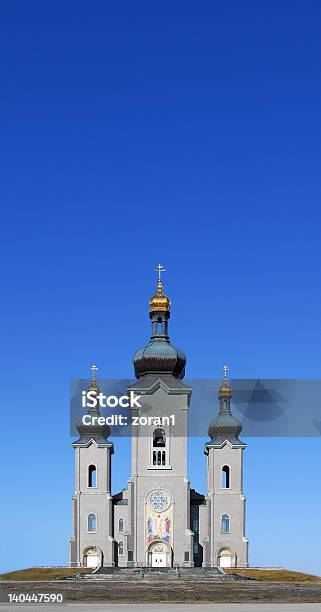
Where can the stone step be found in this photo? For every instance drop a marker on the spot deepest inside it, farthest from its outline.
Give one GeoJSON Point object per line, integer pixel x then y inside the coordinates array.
{"type": "Point", "coordinates": [159, 570]}
{"type": "Point", "coordinates": [118, 574]}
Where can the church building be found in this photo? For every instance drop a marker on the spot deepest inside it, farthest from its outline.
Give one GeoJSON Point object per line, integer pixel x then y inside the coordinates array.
{"type": "Point", "coordinates": [158, 520]}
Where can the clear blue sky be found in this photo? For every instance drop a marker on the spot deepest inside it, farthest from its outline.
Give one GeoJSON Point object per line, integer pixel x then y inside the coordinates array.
{"type": "Point", "coordinates": [133, 133]}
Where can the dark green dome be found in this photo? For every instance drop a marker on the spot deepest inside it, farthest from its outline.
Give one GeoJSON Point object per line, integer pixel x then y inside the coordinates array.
{"type": "Point", "coordinates": [94, 431]}
{"type": "Point", "coordinates": [225, 425]}
{"type": "Point", "coordinates": [159, 356]}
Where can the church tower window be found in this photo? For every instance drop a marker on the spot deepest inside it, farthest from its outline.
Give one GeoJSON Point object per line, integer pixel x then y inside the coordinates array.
{"type": "Point", "coordinates": [225, 523]}
{"type": "Point", "coordinates": [159, 457]}
{"type": "Point", "coordinates": [92, 523]}
{"type": "Point", "coordinates": [120, 548]}
{"type": "Point", "coordinates": [225, 477]}
{"type": "Point", "coordinates": [92, 476]}
{"type": "Point", "coordinates": [121, 525]}
{"type": "Point", "coordinates": [159, 438]}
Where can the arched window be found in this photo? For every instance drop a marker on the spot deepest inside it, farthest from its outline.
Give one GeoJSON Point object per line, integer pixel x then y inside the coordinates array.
{"type": "Point", "coordinates": [92, 523]}
{"type": "Point", "coordinates": [225, 524]}
{"type": "Point", "coordinates": [159, 438]}
{"type": "Point", "coordinates": [225, 477]}
{"type": "Point", "coordinates": [159, 445]}
{"type": "Point", "coordinates": [92, 476]}
{"type": "Point", "coordinates": [121, 525]}
{"type": "Point", "coordinates": [120, 548]}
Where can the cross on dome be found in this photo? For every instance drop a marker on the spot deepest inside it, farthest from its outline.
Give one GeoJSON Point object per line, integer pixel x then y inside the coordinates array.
{"type": "Point", "coordinates": [94, 369]}
{"type": "Point", "coordinates": [160, 269]}
{"type": "Point", "coordinates": [225, 369]}
{"type": "Point", "coordinates": [225, 389]}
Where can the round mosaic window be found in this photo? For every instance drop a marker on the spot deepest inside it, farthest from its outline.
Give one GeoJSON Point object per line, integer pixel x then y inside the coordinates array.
{"type": "Point", "coordinates": [159, 500]}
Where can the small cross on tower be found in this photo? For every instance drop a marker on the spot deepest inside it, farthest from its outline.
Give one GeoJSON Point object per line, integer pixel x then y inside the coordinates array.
{"type": "Point", "coordinates": [94, 369]}
{"type": "Point", "coordinates": [160, 269]}
{"type": "Point", "coordinates": [225, 369]}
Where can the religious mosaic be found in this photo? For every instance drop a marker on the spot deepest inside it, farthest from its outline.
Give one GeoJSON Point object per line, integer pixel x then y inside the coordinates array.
{"type": "Point", "coordinates": [159, 517]}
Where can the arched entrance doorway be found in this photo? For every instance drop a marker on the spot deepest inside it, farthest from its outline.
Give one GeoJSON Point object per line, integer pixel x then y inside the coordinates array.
{"type": "Point", "coordinates": [92, 557]}
{"type": "Point", "coordinates": [159, 555]}
{"type": "Point", "coordinates": [226, 558]}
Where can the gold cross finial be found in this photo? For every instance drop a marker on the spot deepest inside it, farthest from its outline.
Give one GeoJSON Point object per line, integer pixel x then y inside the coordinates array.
{"type": "Point", "coordinates": [160, 269]}
{"type": "Point", "coordinates": [94, 369]}
{"type": "Point", "coordinates": [225, 369]}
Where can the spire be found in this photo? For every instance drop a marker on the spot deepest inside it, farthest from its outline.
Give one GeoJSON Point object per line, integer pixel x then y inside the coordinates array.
{"type": "Point", "coordinates": [159, 308]}
{"type": "Point", "coordinates": [225, 369]}
{"type": "Point", "coordinates": [160, 269]}
{"type": "Point", "coordinates": [92, 431]}
{"type": "Point", "coordinates": [159, 356]}
{"type": "Point", "coordinates": [225, 426]}
{"type": "Point", "coordinates": [93, 388]}
{"type": "Point", "coordinates": [93, 385]}
{"type": "Point", "coordinates": [94, 369]}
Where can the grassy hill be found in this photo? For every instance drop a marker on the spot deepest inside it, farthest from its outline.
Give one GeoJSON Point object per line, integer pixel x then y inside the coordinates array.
{"type": "Point", "coordinates": [277, 575]}
{"type": "Point", "coordinates": [43, 573]}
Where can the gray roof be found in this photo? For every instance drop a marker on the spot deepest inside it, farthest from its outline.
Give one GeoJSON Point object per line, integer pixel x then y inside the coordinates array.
{"type": "Point", "coordinates": [219, 441]}
{"type": "Point", "coordinates": [150, 382]}
{"type": "Point", "coordinates": [86, 440]}
{"type": "Point", "coordinates": [118, 499]}
{"type": "Point", "coordinates": [196, 498]}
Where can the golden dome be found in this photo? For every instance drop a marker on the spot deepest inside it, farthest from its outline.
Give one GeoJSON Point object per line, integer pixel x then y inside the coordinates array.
{"type": "Point", "coordinates": [159, 301]}
{"type": "Point", "coordinates": [225, 390]}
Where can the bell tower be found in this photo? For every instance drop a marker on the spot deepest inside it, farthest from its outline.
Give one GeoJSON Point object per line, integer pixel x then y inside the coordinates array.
{"type": "Point", "coordinates": [225, 544]}
{"type": "Point", "coordinates": [92, 543]}
{"type": "Point", "coordinates": [159, 532]}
